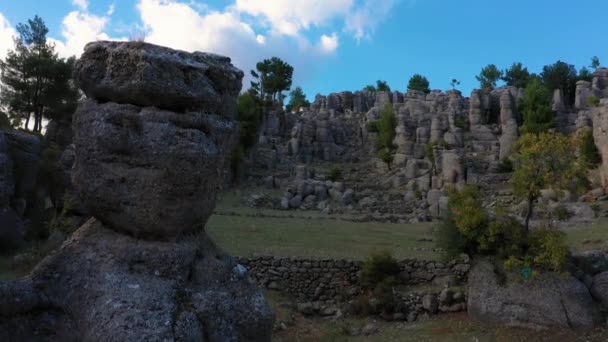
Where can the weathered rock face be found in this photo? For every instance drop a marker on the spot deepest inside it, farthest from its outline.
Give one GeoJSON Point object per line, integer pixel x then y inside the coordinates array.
{"type": "Point", "coordinates": [600, 136]}
{"type": "Point", "coordinates": [151, 75]}
{"type": "Point", "coordinates": [25, 149]}
{"type": "Point", "coordinates": [19, 159]}
{"type": "Point", "coordinates": [7, 182]}
{"type": "Point", "coordinates": [143, 268]}
{"type": "Point", "coordinates": [148, 171]}
{"type": "Point", "coordinates": [599, 288]}
{"type": "Point", "coordinates": [146, 290]}
{"type": "Point", "coordinates": [548, 301]}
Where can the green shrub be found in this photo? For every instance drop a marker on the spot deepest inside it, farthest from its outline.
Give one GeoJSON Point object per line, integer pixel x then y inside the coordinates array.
{"type": "Point", "coordinates": [378, 267]}
{"type": "Point", "coordinates": [593, 101]}
{"type": "Point", "coordinates": [418, 194]}
{"type": "Point", "coordinates": [562, 213]}
{"type": "Point", "coordinates": [460, 122]}
{"type": "Point", "coordinates": [466, 208]}
{"type": "Point", "coordinates": [449, 239]}
{"type": "Point", "coordinates": [383, 293]}
{"type": "Point", "coordinates": [505, 166]}
{"type": "Point", "coordinates": [588, 150]}
{"type": "Point", "coordinates": [429, 151]}
{"type": "Point", "coordinates": [335, 173]}
{"type": "Point", "coordinates": [549, 248]}
{"type": "Point", "coordinates": [504, 237]}
{"type": "Point", "coordinates": [386, 134]}
{"type": "Point", "coordinates": [385, 156]}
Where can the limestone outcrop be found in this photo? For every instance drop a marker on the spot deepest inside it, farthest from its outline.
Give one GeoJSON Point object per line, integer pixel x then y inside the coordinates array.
{"type": "Point", "coordinates": [550, 300]}
{"type": "Point", "coordinates": [19, 165]}
{"type": "Point", "coordinates": [143, 269]}
{"type": "Point", "coordinates": [600, 135]}
{"type": "Point", "coordinates": [148, 171]}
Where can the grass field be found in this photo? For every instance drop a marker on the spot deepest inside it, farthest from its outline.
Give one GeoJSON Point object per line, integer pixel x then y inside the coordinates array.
{"type": "Point", "coordinates": [319, 238]}
{"type": "Point", "coordinates": [590, 236]}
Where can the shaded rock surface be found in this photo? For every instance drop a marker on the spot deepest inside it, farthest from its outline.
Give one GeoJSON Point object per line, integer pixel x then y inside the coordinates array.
{"type": "Point", "coordinates": [547, 301]}
{"type": "Point", "coordinates": [147, 171]}
{"type": "Point", "coordinates": [117, 288]}
{"type": "Point", "coordinates": [143, 268]}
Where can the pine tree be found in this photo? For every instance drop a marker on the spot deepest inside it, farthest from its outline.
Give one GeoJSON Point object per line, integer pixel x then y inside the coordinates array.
{"type": "Point", "coordinates": [34, 80]}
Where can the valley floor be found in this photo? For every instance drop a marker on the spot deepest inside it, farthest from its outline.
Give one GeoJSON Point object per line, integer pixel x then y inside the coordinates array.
{"type": "Point", "coordinates": [247, 232]}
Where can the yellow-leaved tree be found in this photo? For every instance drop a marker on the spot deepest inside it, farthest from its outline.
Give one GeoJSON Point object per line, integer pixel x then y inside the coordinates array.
{"type": "Point", "coordinates": [546, 161]}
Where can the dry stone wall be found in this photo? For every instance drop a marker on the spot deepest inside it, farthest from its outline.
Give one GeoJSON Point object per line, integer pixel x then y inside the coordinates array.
{"type": "Point", "coordinates": [330, 279]}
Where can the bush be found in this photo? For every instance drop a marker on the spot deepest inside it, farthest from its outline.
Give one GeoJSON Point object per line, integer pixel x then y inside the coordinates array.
{"type": "Point", "coordinates": [504, 237]}
{"type": "Point", "coordinates": [335, 173]}
{"type": "Point", "coordinates": [505, 166]}
{"type": "Point", "coordinates": [460, 122]}
{"type": "Point", "coordinates": [383, 293]}
{"type": "Point", "coordinates": [386, 134]}
{"type": "Point", "coordinates": [449, 239]}
{"type": "Point", "coordinates": [588, 150]}
{"type": "Point", "coordinates": [429, 150]}
{"type": "Point", "coordinates": [378, 267]}
{"type": "Point", "coordinates": [549, 248]}
{"type": "Point", "coordinates": [466, 208]}
{"type": "Point", "coordinates": [593, 101]}
{"type": "Point", "coordinates": [385, 156]}
{"type": "Point", "coordinates": [561, 213]}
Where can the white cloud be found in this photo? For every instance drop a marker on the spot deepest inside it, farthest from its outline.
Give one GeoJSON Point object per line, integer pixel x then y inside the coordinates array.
{"type": "Point", "coordinates": [83, 5]}
{"type": "Point", "coordinates": [328, 44]}
{"type": "Point", "coordinates": [296, 15]}
{"type": "Point", "coordinates": [363, 21]}
{"type": "Point", "coordinates": [7, 32]}
{"type": "Point", "coordinates": [78, 29]}
{"type": "Point", "coordinates": [111, 10]}
{"type": "Point", "coordinates": [227, 33]}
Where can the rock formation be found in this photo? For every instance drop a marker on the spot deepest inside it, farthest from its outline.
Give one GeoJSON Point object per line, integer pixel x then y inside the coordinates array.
{"type": "Point", "coordinates": [150, 144]}
{"type": "Point", "coordinates": [19, 164]}
{"type": "Point", "coordinates": [547, 301]}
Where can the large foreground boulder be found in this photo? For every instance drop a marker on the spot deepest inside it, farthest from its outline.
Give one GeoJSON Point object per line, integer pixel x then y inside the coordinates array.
{"type": "Point", "coordinates": [150, 145]}
{"type": "Point", "coordinates": [550, 300]}
{"type": "Point", "coordinates": [113, 287]}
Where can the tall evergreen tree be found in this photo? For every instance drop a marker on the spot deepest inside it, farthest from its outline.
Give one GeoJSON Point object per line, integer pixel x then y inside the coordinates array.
{"type": "Point", "coordinates": [297, 100]}
{"type": "Point", "coordinates": [382, 86]}
{"type": "Point", "coordinates": [488, 77]}
{"type": "Point", "coordinates": [419, 82]}
{"type": "Point", "coordinates": [536, 107]}
{"type": "Point", "coordinates": [517, 75]}
{"type": "Point", "coordinates": [34, 80]}
{"type": "Point", "coordinates": [273, 76]}
{"type": "Point", "coordinates": [595, 62]}
{"type": "Point", "coordinates": [563, 76]}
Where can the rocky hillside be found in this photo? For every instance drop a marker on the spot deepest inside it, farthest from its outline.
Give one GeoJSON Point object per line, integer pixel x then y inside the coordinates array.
{"type": "Point", "coordinates": [468, 137]}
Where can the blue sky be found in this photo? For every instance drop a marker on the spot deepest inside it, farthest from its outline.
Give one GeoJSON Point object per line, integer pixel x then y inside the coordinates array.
{"type": "Point", "coordinates": [338, 45]}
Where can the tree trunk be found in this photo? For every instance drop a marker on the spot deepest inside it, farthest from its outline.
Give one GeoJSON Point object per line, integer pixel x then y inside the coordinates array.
{"type": "Point", "coordinates": [27, 120]}
{"type": "Point", "coordinates": [529, 213]}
